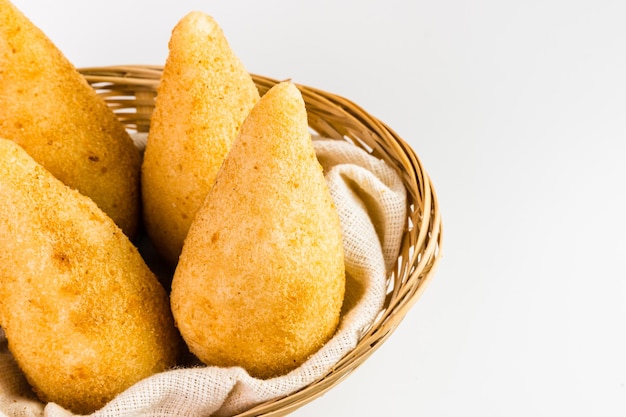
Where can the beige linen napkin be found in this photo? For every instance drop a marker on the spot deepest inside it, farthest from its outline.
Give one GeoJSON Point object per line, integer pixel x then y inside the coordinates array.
{"type": "Point", "coordinates": [371, 201]}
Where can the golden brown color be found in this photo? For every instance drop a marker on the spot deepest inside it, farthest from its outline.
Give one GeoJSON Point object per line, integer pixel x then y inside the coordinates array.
{"type": "Point", "coordinates": [336, 117]}
{"type": "Point", "coordinates": [204, 96]}
{"type": "Point", "coordinates": [84, 316]}
{"type": "Point", "coordinates": [47, 107]}
{"type": "Point", "coordinates": [260, 281]}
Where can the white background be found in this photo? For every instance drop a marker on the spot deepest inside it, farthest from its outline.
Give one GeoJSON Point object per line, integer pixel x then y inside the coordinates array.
{"type": "Point", "coordinates": [517, 109]}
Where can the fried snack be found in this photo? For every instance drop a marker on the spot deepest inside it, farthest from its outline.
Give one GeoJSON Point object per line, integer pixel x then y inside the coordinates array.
{"type": "Point", "coordinates": [84, 316]}
{"type": "Point", "coordinates": [48, 108]}
{"type": "Point", "coordinates": [260, 280]}
{"type": "Point", "coordinates": [204, 95]}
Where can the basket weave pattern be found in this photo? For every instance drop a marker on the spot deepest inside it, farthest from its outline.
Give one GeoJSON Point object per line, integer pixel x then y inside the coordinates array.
{"type": "Point", "coordinates": [130, 91]}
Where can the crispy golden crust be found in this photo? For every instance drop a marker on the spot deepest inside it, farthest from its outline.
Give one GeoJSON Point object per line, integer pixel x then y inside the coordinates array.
{"type": "Point", "coordinates": [84, 316]}
{"type": "Point", "coordinates": [204, 96]}
{"type": "Point", "coordinates": [260, 281]}
{"type": "Point", "coordinates": [48, 108]}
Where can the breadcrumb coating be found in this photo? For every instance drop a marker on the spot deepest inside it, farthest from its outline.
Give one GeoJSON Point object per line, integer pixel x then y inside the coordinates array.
{"type": "Point", "coordinates": [204, 95]}
{"type": "Point", "coordinates": [84, 316]}
{"type": "Point", "coordinates": [49, 109]}
{"type": "Point", "coordinates": [260, 281]}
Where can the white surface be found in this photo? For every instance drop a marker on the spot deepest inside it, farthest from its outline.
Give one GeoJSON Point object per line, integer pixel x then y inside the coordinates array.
{"type": "Point", "coordinates": [518, 112]}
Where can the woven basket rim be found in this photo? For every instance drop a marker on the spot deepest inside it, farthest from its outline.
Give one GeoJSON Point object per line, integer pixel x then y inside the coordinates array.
{"type": "Point", "coordinates": [130, 91]}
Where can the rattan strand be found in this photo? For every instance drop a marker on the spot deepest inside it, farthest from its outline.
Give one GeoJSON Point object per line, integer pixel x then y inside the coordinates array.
{"type": "Point", "coordinates": [130, 91]}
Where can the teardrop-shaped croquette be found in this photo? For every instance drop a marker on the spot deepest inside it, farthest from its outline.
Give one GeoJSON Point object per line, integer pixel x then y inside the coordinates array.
{"type": "Point", "coordinates": [48, 108]}
{"type": "Point", "coordinates": [204, 95]}
{"type": "Point", "coordinates": [84, 316]}
{"type": "Point", "coordinates": [260, 280]}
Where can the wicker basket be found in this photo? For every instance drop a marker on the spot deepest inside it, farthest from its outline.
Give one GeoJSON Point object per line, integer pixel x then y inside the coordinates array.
{"type": "Point", "coordinates": [130, 91]}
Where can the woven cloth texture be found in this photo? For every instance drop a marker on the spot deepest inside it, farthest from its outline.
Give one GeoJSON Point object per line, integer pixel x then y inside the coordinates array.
{"type": "Point", "coordinates": [371, 201]}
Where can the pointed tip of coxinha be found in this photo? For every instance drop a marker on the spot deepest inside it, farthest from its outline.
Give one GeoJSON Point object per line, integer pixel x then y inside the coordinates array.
{"type": "Point", "coordinates": [279, 119]}
{"type": "Point", "coordinates": [260, 281]}
{"type": "Point", "coordinates": [193, 27]}
{"type": "Point", "coordinates": [200, 21]}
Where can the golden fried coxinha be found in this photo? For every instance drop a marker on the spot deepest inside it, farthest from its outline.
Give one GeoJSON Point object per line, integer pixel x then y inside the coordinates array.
{"type": "Point", "coordinates": [260, 281]}
{"type": "Point", "coordinates": [204, 95]}
{"type": "Point", "coordinates": [48, 108]}
{"type": "Point", "coordinates": [84, 316]}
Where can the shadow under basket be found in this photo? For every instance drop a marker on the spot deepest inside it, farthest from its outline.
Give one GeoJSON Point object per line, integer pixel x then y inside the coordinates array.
{"type": "Point", "coordinates": [130, 91]}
